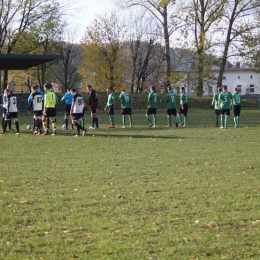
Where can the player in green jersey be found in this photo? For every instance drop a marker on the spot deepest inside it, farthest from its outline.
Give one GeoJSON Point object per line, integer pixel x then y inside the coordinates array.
{"type": "Point", "coordinates": [183, 107]}
{"type": "Point", "coordinates": [111, 107]}
{"type": "Point", "coordinates": [224, 104]}
{"type": "Point", "coordinates": [214, 104]}
{"type": "Point", "coordinates": [236, 98]}
{"type": "Point", "coordinates": [126, 104]}
{"type": "Point", "coordinates": [152, 106]}
{"type": "Point", "coordinates": [171, 107]}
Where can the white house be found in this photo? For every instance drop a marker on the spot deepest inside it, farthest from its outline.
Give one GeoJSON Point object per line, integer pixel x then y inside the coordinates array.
{"type": "Point", "coordinates": [238, 75]}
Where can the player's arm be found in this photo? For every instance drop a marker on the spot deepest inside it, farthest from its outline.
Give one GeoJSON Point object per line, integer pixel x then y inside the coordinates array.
{"type": "Point", "coordinates": [219, 101]}
{"type": "Point", "coordinates": [72, 107]}
{"type": "Point", "coordinates": [8, 105]}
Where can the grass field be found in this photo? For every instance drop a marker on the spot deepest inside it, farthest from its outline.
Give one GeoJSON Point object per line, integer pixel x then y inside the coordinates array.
{"type": "Point", "coordinates": [141, 193]}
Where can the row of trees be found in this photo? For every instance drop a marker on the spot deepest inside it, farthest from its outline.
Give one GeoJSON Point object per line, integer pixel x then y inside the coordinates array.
{"type": "Point", "coordinates": [151, 42]}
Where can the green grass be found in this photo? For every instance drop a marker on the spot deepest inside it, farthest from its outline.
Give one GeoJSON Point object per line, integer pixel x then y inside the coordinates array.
{"type": "Point", "coordinates": [188, 193]}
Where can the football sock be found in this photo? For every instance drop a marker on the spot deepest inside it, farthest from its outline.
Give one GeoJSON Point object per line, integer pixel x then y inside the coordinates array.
{"type": "Point", "coordinates": [79, 127]}
{"type": "Point", "coordinates": [222, 121]}
{"type": "Point", "coordinates": [238, 118]}
{"type": "Point", "coordinates": [9, 124]}
{"type": "Point", "coordinates": [34, 124]}
{"type": "Point", "coordinates": [216, 120]}
{"type": "Point", "coordinates": [54, 125]}
{"type": "Point", "coordinates": [180, 120]}
{"type": "Point", "coordinates": [130, 120]}
{"type": "Point", "coordinates": [154, 120]}
{"type": "Point", "coordinates": [113, 121]}
{"type": "Point", "coordinates": [149, 119]}
{"type": "Point", "coordinates": [3, 122]}
{"type": "Point", "coordinates": [185, 120]}
{"type": "Point", "coordinates": [66, 123]}
{"type": "Point", "coordinates": [96, 120]}
{"type": "Point", "coordinates": [110, 120]}
{"type": "Point", "coordinates": [169, 120]}
{"type": "Point", "coordinates": [123, 119]}
{"type": "Point", "coordinates": [92, 121]}
{"type": "Point", "coordinates": [17, 126]}
{"type": "Point", "coordinates": [5, 125]}
{"type": "Point", "coordinates": [45, 126]}
{"type": "Point", "coordinates": [226, 121]}
{"type": "Point", "coordinates": [176, 119]}
{"type": "Point", "coordinates": [235, 121]}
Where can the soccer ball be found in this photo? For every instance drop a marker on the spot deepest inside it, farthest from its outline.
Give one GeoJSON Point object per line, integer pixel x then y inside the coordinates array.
{"type": "Point", "coordinates": [63, 127]}
{"type": "Point", "coordinates": [30, 127]}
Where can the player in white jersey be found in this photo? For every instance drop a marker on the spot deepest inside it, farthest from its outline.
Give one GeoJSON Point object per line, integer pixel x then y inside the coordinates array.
{"type": "Point", "coordinates": [11, 110]}
{"type": "Point", "coordinates": [77, 109]}
{"type": "Point", "coordinates": [4, 104]}
{"type": "Point", "coordinates": [36, 101]}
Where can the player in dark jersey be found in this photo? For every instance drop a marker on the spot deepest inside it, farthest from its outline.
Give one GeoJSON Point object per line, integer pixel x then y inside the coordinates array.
{"type": "Point", "coordinates": [93, 105]}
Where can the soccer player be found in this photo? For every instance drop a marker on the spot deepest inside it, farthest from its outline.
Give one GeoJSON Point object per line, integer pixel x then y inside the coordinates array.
{"type": "Point", "coordinates": [11, 110]}
{"type": "Point", "coordinates": [126, 104]}
{"type": "Point", "coordinates": [236, 101]}
{"type": "Point", "coordinates": [151, 107]}
{"type": "Point", "coordinates": [171, 107]}
{"type": "Point", "coordinates": [49, 110]}
{"type": "Point", "coordinates": [67, 98]}
{"type": "Point", "coordinates": [93, 105]}
{"type": "Point", "coordinates": [4, 103]}
{"type": "Point", "coordinates": [76, 112]}
{"type": "Point", "coordinates": [36, 101]}
{"type": "Point", "coordinates": [183, 109]}
{"type": "Point", "coordinates": [224, 104]}
{"type": "Point", "coordinates": [111, 107]}
{"type": "Point", "coordinates": [29, 102]}
{"type": "Point", "coordinates": [214, 104]}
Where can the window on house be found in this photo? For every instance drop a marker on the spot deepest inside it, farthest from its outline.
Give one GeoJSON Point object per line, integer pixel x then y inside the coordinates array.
{"type": "Point", "coordinates": [251, 76]}
{"type": "Point", "coordinates": [224, 78]}
{"type": "Point", "coordinates": [238, 77]}
{"type": "Point", "coordinates": [252, 88]}
{"type": "Point", "coordinates": [239, 88]}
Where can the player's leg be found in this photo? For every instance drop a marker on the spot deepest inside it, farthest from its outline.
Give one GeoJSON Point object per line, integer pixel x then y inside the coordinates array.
{"type": "Point", "coordinates": [154, 118]}
{"type": "Point", "coordinates": [123, 120]}
{"type": "Point", "coordinates": [148, 113]}
{"type": "Point", "coordinates": [169, 120]}
{"type": "Point", "coordinates": [44, 123]}
{"type": "Point", "coordinates": [54, 125]}
{"type": "Point", "coordinates": [6, 118]}
{"type": "Point", "coordinates": [16, 125]}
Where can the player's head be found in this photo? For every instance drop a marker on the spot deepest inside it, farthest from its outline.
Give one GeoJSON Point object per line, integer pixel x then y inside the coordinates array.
{"type": "Point", "coordinates": [219, 89]}
{"type": "Point", "coordinates": [73, 91]}
{"type": "Point", "coordinates": [9, 87]}
{"type": "Point", "coordinates": [152, 88]}
{"type": "Point", "coordinates": [182, 89]}
{"type": "Point", "coordinates": [89, 88]}
{"type": "Point", "coordinates": [35, 87]}
{"type": "Point", "coordinates": [169, 89]}
{"type": "Point", "coordinates": [109, 90]}
{"type": "Point", "coordinates": [47, 87]}
{"type": "Point", "coordinates": [224, 88]}
{"type": "Point", "coordinates": [123, 91]}
{"type": "Point", "coordinates": [68, 89]}
{"type": "Point", "coordinates": [235, 89]}
{"type": "Point", "coordinates": [7, 91]}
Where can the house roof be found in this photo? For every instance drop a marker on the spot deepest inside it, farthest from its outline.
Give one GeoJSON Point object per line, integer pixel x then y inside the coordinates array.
{"type": "Point", "coordinates": [24, 61]}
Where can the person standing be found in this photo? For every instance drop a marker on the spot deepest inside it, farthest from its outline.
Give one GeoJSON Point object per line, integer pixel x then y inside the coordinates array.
{"type": "Point", "coordinates": [67, 98]}
{"type": "Point", "coordinates": [236, 101]}
{"type": "Point", "coordinates": [36, 101]}
{"type": "Point", "coordinates": [11, 110]}
{"type": "Point", "coordinates": [4, 104]}
{"type": "Point", "coordinates": [76, 112]}
{"type": "Point", "coordinates": [171, 107]}
{"type": "Point", "coordinates": [183, 109]}
{"type": "Point", "coordinates": [224, 104]}
{"type": "Point", "coordinates": [111, 107]}
{"type": "Point", "coordinates": [214, 104]}
{"type": "Point", "coordinates": [49, 110]}
{"type": "Point", "coordinates": [151, 107]}
{"type": "Point", "coordinates": [93, 105]}
{"type": "Point", "coordinates": [126, 104]}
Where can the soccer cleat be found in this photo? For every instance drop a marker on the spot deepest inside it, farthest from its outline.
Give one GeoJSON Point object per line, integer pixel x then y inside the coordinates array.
{"type": "Point", "coordinates": [150, 125]}
{"type": "Point", "coordinates": [46, 133]}
{"type": "Point", "coordinates": [92, 128]}
{"type": "Point", "coordinates": [84, 132]}
{"type": "Point", "coordinates": [181, 124]}
{"type": "Point", "coordinates": [17, 133]}
{"type": "Point", "coordinates": [112, 126]}
{"type": "Point", "coordinates": [221, 127]}
{"type": "Point", "coordinates": [35, 132]}
{"type": "Point", "coordinates": [123, 126]}
{"type": "Point", "coordinates": [176, 124]}
{"type": "Point", "coordinates": [39, 133]}
{"type": "Point", "coordinates": [153, 126]}
{"type": "Point", "coordinates": [168, 126]}
{"type": "Point", "coordinates": [11, 129]}
{"type": "Point", "coordinates": [76, 135]}
{"type": "Point", "coordinates": [96, 128]}
{"type": "Point", "coordinates": [3, 133]}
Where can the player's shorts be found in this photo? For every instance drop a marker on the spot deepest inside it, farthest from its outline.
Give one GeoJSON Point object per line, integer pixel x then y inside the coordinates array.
{"type": "Point", "coordinates": [76, 116]}
{"type": "Point", "coordinates": [93, 110]}
{"type": "Point", "coordinates": [217, 112]}
{"type": "Point", "coordinates": [37, 113]}
{"type": "Point", "coordinates": [225, 112]}
{"type": "Point", "coordinates": [11, 115]}
{"type": "Point", "coordinates": [171, 111]}
{"type": "Point", "coordinates": [236, 110]}
{"type": "Point", "coordinates": [151, 111]}
{"type": "Point", "coordinates": [184, 110]}
{"type": "Point", "coordinates": [111, 110]}
{"type": "Point", "coordinates": [127, 111]}
{"type": "Point", "coordinates": [67, 110]}
{"type": "Point", "coordinates": [50, 112]}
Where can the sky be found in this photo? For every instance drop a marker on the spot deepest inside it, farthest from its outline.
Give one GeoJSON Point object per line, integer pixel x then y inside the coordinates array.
{"type": "Point", "coordinates": [85, 11]}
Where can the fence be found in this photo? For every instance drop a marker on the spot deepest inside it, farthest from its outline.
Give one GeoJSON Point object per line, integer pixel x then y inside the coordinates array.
{"type": "Point", "coordinates": [140, 102]}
